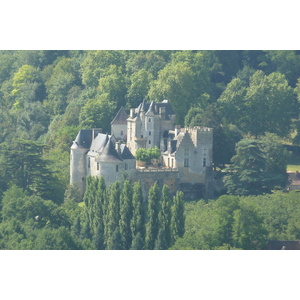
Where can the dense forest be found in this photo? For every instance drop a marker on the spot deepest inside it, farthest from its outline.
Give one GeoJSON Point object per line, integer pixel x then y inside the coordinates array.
{"type": "Point", "coordinates": [249, 98]}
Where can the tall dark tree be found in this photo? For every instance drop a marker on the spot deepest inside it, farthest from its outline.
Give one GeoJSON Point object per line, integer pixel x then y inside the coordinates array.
{"type": "Point", "coordinates": [177, 220]}
{"type": "Point", "coordinates": [164, 217]}
{"type": "Point", "coordinates": [113, 212]}
{"type": "Point", "coordinates": [152, 225]}
{"type": "Point", "coordinates": [138, 217]}
{"type": "Point", "coordinates": [23, 164]}
{"type": "Point", "coordinates": [126, 214]}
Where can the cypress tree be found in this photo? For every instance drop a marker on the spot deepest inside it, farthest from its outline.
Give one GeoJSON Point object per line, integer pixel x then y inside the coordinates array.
{"type": "Point", "coordinates": [177, 219]}
{"type": "Point", "coordinates": [113, 211]}
{"type": "Point", "coordinates": [115, 241]}
{"type": "Point", "coordinates": [138, 217]}
{"type": "Point", "coordinates": [164, 215]}
{"type": "Point", "coordinates": [137, 242]}
{"type": "Point", "coordinates": [126, 214]}
{"type": "Point", "coordinates": [99, 237]}
{"type": "Point", "coordinates": [161, 242]}
{"type": "Point", "coordinates": [152, 224]}
{"type": "Point", "coordinates": [76, 227]}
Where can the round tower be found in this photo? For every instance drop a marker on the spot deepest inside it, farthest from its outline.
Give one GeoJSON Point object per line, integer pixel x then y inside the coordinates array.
{"type": "Point", "coordinates": [78, 166]}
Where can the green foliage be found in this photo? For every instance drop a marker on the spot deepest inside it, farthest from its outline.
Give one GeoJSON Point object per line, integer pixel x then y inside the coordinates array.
{"type": "Point", "coordinates": [126, 211]}
{"type": "Point", "coordinates": [259, 166]}
{"type": "Point", "coordinates": [152, 225]}
{"type": "Point", "coordinates": [266, 105]}
{"type": "Point", "coordinates": [97, 113]}
{"type": "Point", "coordinates": [146, 155]}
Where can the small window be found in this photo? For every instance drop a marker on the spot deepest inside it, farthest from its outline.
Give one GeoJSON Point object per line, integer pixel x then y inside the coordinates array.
{"type": "Point", "coordinates": [121, 132]}
{"type": "Point", "coordinates": [168, 161]}
{"type": "Point", "coordinates": [117, 168]}
{"type": "Point", "coordinates": [186, 162]}
{"type": "Point", "coordinates": [98, 166]}
{"type": "Point", "coordinates": [204, 162]}
{"type": "Point", "coordinates": [142, 136]}
{"type": "Point", "coordinates": [149, 119]}
{"type": "Point", "coordinates": [149, 142]}
{"type": "Point", "coordinates": [149, 132]}
{"type": "Point", "coordinates": [89, 162]}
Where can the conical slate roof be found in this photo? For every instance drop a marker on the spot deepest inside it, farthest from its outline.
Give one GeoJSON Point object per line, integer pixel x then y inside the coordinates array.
{"type": "Point", "coordinates": [125, 152]}
{"type": "Point", "coordinates": [83, 139]}
{"type": "Point", "coordinates": [120, 118]}
{"type": "Point", "coordinates": [109, 153]}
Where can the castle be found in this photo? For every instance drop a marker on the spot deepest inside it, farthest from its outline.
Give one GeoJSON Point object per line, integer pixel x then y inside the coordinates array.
{"type": "Point", "coordinates": [186, 153]}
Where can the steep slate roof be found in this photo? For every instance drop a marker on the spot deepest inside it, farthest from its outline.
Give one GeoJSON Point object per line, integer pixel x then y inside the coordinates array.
{"type": "Point", "coordinates": [121, 117]}
{"type": "Point", "coordinates": [99, 142]}
{"type": "Point", "coordinates": [84, 138]}
{"type": "Point", "coordinates": [154, 108]}
{"type": "Point", "coordinates": [125, 152]}
{"type": "Point", "coordinates": [109, 153]}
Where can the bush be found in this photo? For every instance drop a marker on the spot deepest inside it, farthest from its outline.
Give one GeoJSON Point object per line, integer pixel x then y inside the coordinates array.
{"type": "Point", "coordinates": [147, 154]}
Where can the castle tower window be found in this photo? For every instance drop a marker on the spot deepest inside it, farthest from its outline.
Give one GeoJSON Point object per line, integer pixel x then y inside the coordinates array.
{"type": "Point", "coordinates": [117, 168]}
{"type": "Point", "coordinates": [204, 162]}
{"type": "Point", "coordinates": [89, 162]}
{"type": "Point", "coordinates": [186, 162]}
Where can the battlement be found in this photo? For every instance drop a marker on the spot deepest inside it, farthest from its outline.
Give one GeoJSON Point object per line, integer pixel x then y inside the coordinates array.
{"type": "Point", "coordinates": [196, 128]}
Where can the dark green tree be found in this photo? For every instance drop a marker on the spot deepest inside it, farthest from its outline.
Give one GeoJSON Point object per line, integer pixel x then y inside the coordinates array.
{"type": "Point", "coordinates": [152, 225]}
{"type": "Point", "coordinates": [137, 242]}
{"type": "Point", "coordinates": [137, 223]}
{"type": "Point", "coordinates": [126, 211]}
{"type": "Point", "coordinates": [113, 212]}
{"type": "Point", "coordinates": [258, 167]}
{"type": "Point", "coordinates": [115, 241]}
{"type": "Point", "coordinates": [164, 217]}
{"type": "Point", "coordinates": [177, 219]}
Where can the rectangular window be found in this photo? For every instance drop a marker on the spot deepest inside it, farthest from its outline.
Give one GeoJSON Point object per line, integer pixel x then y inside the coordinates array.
{"type": "Point", "coordinates": [149, 132]}
{"type": "Point", "coordinates": [121, 132]}
{"type": "Point", "coordinates": [89, 162]}
{"type": "Point", "coordinates": [168, 162]}
{"type": "Point", "coordinates": [149, 142]}
{"type": "Point", "coordinates": [98, 166]}
{"type": "Point", "coordinates": [204, 162]}
{"type": "Point", "coordinates": [186, 162]}
{"type": "Point", "coordinates": [117, 168]}
{"type": "Point", "coordinates": [149, 119]}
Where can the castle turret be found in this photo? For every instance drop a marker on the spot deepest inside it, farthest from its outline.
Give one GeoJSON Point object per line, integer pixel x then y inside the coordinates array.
{"type": "Point", "coordinates": [78, 158]}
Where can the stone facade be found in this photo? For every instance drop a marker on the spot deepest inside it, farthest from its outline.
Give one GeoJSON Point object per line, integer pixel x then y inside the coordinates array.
{"type": "Point", "coordinates": [186, 153]}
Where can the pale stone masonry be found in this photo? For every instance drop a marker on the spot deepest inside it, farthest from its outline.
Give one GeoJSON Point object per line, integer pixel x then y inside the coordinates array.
{"type": "Point", "coordinates": [186, 153]}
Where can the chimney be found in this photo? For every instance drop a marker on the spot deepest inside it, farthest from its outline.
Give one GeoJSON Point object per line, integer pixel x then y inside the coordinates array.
{"type": "Point", "coordinates": [95, 132]}
{"type": "Point", "coordinates": [162, 112]}
{"type": "Point", "coordinates": [177, 129]}
{"type": "Point", "coordinates": [132, 113]}
{"type": "Point", "coordinates": [118, 147]}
